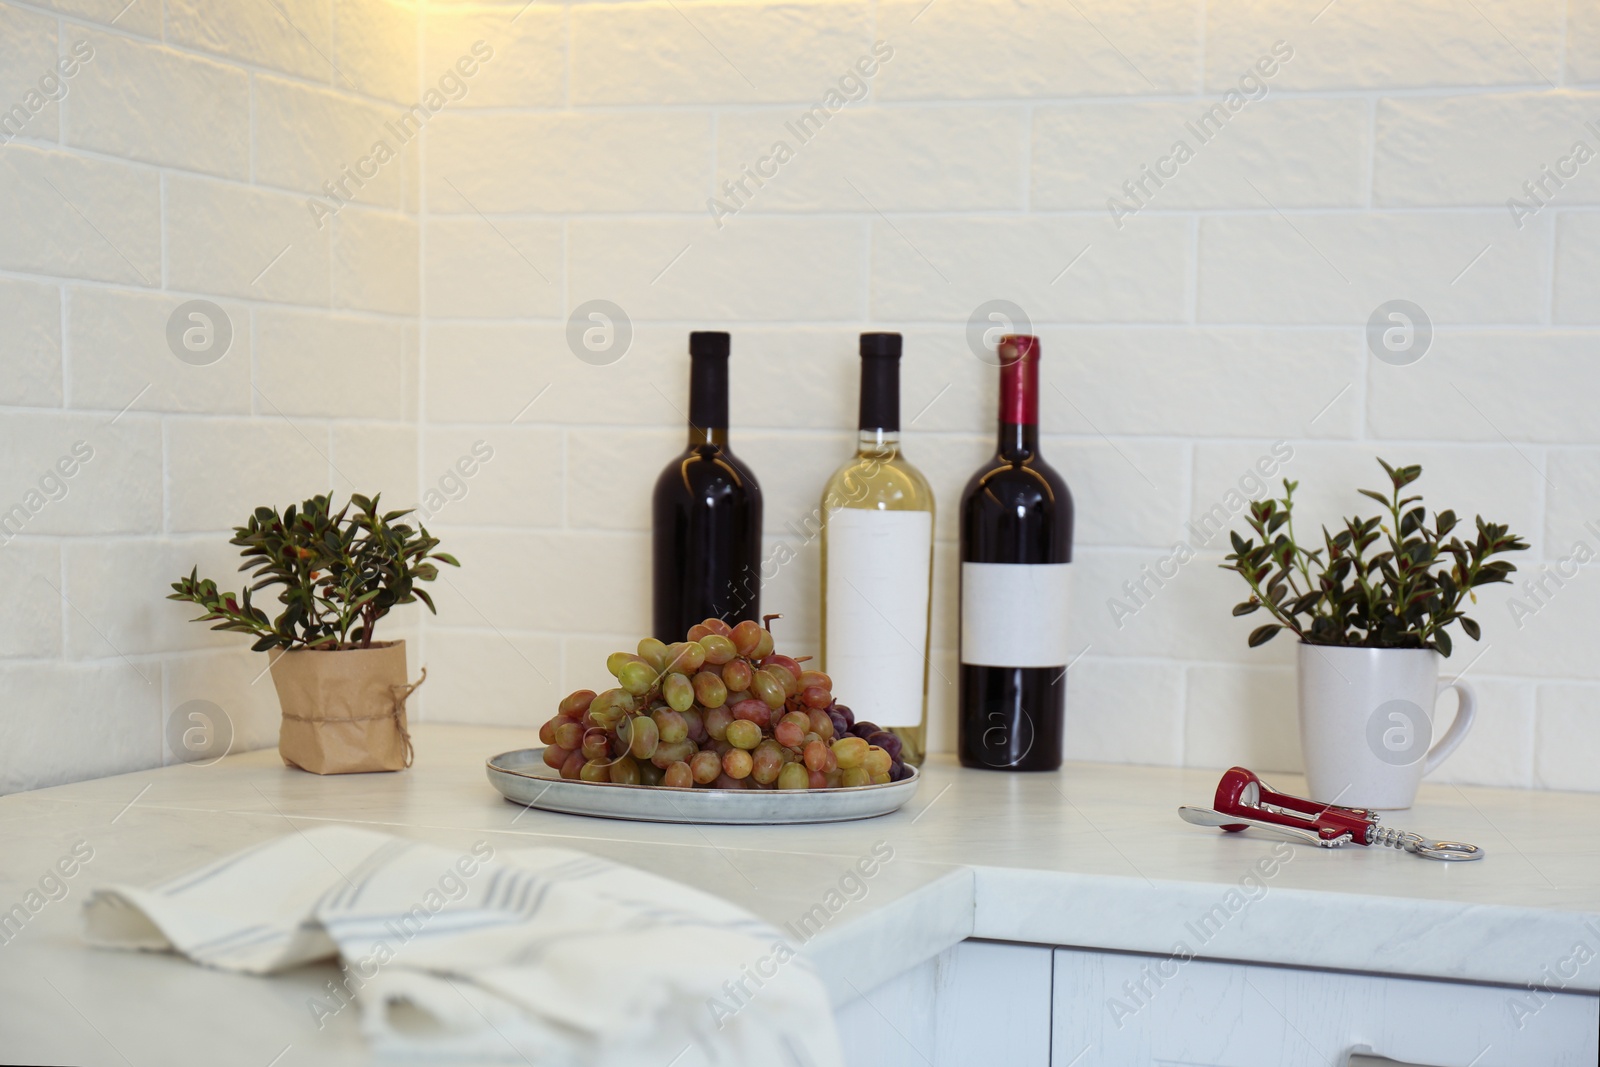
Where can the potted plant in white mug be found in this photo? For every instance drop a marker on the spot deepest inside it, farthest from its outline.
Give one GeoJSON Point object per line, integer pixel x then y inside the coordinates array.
{"type": "Point", "coordinates": [1372, 608]}
{"type": "Point", "coordinates": [342, 693]}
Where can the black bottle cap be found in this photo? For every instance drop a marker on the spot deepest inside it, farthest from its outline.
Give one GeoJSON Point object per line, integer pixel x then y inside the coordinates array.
{"type": "Point", "coordinates": [708, 343]}
{"type": "Point", "coordinates": [708, 380]}
{"type": "Point", "coordinates": [880, 381]}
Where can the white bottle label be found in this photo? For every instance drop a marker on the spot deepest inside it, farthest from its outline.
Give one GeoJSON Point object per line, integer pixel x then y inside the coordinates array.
{"type": "Point", "coordinates": [1014, 614]}
{"type": "Point", "coordinates": [878, 612]}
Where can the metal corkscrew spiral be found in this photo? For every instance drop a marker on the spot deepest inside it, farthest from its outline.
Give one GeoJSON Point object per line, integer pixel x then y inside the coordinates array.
{"type": "Point", "coordinates": [1393, 837]}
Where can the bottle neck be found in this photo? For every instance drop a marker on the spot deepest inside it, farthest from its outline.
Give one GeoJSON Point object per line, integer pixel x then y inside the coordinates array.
{"type": "Point", "coordinates": [702, 436]}
{"type": "Point", "coordinates": [879, 411]}
{"type": "Point", "coordinates": [878, 444]}
{"type": "Point", "coordinates": [1018, 440]}
{"type": "Point", "coordinates": [708, 400]}
{"type": "Point", "coordinates": [1019, 404]}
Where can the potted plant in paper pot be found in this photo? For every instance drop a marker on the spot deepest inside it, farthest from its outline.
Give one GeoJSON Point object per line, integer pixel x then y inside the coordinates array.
{"type": "Point", "coordinates": [1372, 607]}
{"type": "Point", "coordinates": [336, 574]}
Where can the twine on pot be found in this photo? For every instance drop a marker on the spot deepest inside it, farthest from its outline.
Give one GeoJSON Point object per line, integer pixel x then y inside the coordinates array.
{"type": "Point", "coordinates": [400, 693]}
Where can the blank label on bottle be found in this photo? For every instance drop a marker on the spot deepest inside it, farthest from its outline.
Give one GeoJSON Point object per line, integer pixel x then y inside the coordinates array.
{"type": "Point", "coordinates": [878, 612]}
{"type": "Point", "coordinates": [1014, 614]}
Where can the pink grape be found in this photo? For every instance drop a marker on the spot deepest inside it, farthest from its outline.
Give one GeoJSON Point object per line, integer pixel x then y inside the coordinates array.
{"type": "Point", "coordinates": [747, 637]}
{"type": "Point", "coordinates": [737, 764]}
{"type": "Point", "coordinates": [706, 767]}
{"type": "Point", "coordinates": [755, 711]}
{"type": "Point", "coordinates": [716, 722]}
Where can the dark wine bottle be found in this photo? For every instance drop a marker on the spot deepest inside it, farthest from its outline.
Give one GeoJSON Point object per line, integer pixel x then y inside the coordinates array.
{"type": "Point", "coordinates": [706, 512]}
{"type": "Point", "coordinates": [1016, 548]}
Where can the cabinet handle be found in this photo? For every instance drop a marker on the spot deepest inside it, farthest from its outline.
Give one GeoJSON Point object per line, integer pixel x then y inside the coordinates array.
{"type": "Point", "coordinates": [1366, 1058]}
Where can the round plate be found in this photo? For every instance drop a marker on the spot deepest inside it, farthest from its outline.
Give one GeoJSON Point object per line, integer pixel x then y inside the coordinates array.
{"type": "Point", "coordinates": [523, 777]}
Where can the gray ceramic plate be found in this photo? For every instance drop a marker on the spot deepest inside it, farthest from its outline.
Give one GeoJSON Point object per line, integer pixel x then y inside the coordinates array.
{"type": "Point", "coordinates": [523, 777]}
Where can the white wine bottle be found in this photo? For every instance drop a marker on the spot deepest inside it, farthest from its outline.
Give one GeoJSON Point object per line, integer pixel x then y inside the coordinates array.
{"type": "Point", "coordinates": [877, 565]}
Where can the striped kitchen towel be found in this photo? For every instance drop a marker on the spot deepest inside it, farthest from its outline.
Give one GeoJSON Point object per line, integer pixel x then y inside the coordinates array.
{"type": "Point", "coordinates": [546, 956]}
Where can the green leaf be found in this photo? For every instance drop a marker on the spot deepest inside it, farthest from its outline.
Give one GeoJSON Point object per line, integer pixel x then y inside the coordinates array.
{"type": "Point", "coordinates": [1442, 640]}
{"type": "Point", "coordinates": [1470, 627]}
{"type": "Point", "coordinates": [1375, 495]}
{"type": "Point", "coordinates": [1241, 609]}
{"type": "Point", "coordinates": [1262, 634]}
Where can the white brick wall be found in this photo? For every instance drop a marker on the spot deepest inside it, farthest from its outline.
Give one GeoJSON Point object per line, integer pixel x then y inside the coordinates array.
{"type": "Point", "coordinates": [1181, 341]}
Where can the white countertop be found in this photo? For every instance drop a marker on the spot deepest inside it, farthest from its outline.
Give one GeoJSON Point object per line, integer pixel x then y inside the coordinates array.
{"type": "Point", "coordinates": [1093, 856]}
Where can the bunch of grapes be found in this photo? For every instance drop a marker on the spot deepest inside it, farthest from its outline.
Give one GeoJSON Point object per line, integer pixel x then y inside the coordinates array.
{"type": "Point", "coordinates": [720, 710]}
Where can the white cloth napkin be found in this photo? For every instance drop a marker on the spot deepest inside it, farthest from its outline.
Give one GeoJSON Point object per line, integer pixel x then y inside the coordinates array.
{"type": "Point", "coordinates": [540, 955]}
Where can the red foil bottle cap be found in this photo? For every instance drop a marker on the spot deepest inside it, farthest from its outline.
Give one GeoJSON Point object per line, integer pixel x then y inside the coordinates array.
{"type": "Point", "coordinates": [1019, 379]}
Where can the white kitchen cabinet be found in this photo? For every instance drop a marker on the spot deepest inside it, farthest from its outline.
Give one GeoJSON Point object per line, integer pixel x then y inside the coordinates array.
{"type": "Point", "coordinates": [986, 1002]}
{"type": "Point", "coordinates": [979, 1003]}
{"type": "Point", "coordinates": [1125, 1008]}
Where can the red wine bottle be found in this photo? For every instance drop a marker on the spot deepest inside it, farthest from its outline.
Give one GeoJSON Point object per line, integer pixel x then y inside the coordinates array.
{"type": "Point", "coordinates": [1016, 547]}
{"type": "Point", "coordinates": [706, 512]}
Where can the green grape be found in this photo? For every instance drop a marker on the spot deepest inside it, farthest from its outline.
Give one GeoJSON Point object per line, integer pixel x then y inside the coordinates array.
{"type": "Point", "coordinates": [555, 756]}
{"type": "Point", "coordinates": [625, 771]}
{"type": "Point", "coordinates": [569, 735]}
{"type": "Point", "coordinates": [547, 732]}
{"type": "Point", "coordinates": [851, 777]}
{"type": "Point", "coordinates": [686, 657]}
{"type": "Point", "coordinates": [650, 774]}
{"type": "Point", "coordinates": [574, 765]}
{"type": "Point", "coordinates": [763, 646]}
{"type": "Point", "coordinates": [743, 733]}
{"type": "Point", "coordinates": [881, 778]}
{"type": "Point", "coordinates": [709, 689]}
{"type": "Point", "coordinates": [705, 766]}
{"type": "Point", "coordinates": [668, 753]}
{"type": "Point", "coordinates": [794, 776]}
{"type": "Point", "coordinates": [611, 706]}
{"type": "Point", "coordinates": [768, 688]}
{"type": "Point", "coordinates": [617, 660]}
{"type": "Point", "coordinates": [678, 776]}
{"type": "Point", "coordinates": [784, 675]}
{"type": "Point", "coordinates": [816, 756]}
{"type": "Point", "coordinates": [596, 771]}
{"type": "Point", "coordinates": [822, 724]}
{"type": "Point", "coordinates": [697, 631]}
{"type": "Point", "coordinates": [679, 692]}
{"type": "Point", "coordinates": [642, 737]}
{"type": "Point", "coordinates": [673, 726]}
{"type": "Point", "coordinates": [736, 675]}
{"type": "Point", "coordinates": [573, 705]}
{"type": "Point", "coordinates": [637, 677]}
{"type": "Point", "coordinates": [850, 751]}
{"type": "Point", "coordinates": [654, 653]}
{"type": "Point", "coordinates": [719, 649]}
{"type": "Point", "coordinates": [877, 761]}
{"type": "Point", "coordinates": [747, 637]}
{"type": "Point", "coordinates": [738, 764]}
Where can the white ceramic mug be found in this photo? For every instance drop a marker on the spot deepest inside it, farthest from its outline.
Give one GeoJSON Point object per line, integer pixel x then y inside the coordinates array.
{"type": "Point", "coordinates": [1366, 722]}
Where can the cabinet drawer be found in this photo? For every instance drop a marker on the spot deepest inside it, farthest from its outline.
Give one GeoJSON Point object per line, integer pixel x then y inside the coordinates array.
{"type": "Point", "coordinates": [1116, 1009]}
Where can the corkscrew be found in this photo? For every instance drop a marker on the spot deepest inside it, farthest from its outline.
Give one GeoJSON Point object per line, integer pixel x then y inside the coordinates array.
{"type": "Point", "coordinates": [1244, 801]}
